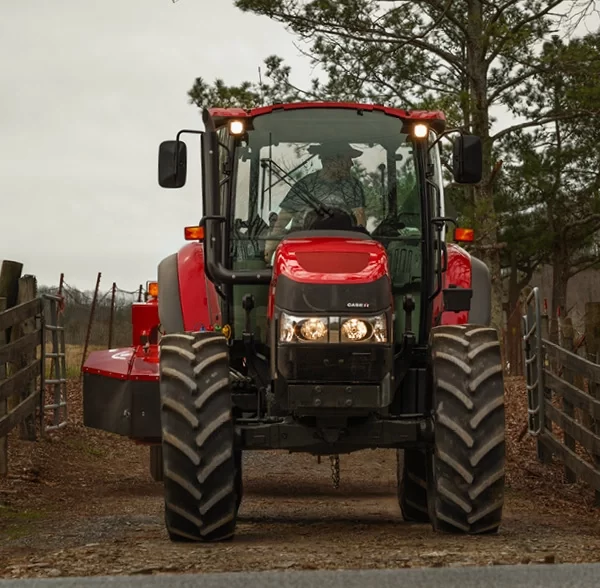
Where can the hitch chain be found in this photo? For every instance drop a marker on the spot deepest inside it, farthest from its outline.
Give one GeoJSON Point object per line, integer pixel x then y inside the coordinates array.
{"type": "Point", "coordinates": [335, 470]}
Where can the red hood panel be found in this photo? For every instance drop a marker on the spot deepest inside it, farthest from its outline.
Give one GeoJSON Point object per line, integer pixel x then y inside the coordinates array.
{"type": "Point", "coordinates": [330, 260]}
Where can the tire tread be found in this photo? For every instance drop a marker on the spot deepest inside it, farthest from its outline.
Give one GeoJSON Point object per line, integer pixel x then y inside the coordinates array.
{"type": "Point", "coordinates": [466, 466]}
{"type": "Point", "coordinates": [201, 480]}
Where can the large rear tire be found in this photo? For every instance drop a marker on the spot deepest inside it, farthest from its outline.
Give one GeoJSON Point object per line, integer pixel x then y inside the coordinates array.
{"type": "Point", "coordinates": [466, 466]}
{"type": "Point", "coordinates": [200, 470]}
{"type": "Point", "coordinates": [412, 485]}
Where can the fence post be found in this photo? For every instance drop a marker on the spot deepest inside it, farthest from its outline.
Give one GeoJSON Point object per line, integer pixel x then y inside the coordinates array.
{"type": "Point", "coordinates": [90, 322]}
{"type": "Point", "coordinates": [544, 454]}
{"type": "Point", "coordinates": [592, 344]}
{"type": "Point", "coordinates": [3, 404]}
{"type": "Point", "coordinates": [112, 314]}
{"type": "Point", "coordinates": [10, 272]}
{"type": "Point", "coordinates": [566, 335]}
{"type": "Point", "coordinates": [27, 292]}
{"type": "Point", "coordinates": [596, 394]}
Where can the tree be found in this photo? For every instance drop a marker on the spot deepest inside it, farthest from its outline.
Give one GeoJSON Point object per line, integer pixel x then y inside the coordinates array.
{"type": "Point", "coordinates": [278, 88]}
{"type": "Point", "coordinates": [553, 172]}
{"type": "Point", "coordinates": [466, 56]}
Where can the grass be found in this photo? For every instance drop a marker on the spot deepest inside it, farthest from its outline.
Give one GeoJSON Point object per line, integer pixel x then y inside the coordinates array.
{"type": "Point", "coordinates": [73, 356]}
{"type": "Point", "coordinates": [82, 446]}
{"type": "Point", "coordinates": [16, 524]}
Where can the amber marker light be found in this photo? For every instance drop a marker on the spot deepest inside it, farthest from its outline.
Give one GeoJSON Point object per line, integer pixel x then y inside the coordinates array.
{"type": "Point", "coordinates": [194, 233]}
{"type": "Point", "coordinates": [152, 289]}
{"type": "Point", "coordinates": [464, 235]}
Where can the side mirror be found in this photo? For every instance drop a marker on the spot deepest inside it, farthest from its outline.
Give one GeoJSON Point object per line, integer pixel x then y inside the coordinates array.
{"type": "Point", "coordinates": [467, 160]}
{"type": "Point", "coordinates": [172, 164]}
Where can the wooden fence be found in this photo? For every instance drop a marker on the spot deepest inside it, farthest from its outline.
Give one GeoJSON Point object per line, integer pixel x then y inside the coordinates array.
{"type": "Point", "coordinates": [563, 398]}
{"type": "Point", "coordinates": [23, 378]}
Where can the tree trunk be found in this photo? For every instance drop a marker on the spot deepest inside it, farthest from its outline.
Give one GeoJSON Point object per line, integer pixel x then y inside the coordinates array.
{"type": "Point", "coordinates": [485, 221]}
{"type": "Point", "coordinates": [513, 284]}
{"type": "Point", "coordinates": [560, 281]}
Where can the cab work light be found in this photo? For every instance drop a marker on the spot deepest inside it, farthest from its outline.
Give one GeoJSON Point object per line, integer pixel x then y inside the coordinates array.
{"type": "Point", "coordinates": [420, 131]}
{"type": "Point", "coordinates": [236, 127]}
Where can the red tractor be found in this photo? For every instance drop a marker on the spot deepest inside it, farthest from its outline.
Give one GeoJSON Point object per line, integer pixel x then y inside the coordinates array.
{"type": "Point", "coordinates": [321, 308]}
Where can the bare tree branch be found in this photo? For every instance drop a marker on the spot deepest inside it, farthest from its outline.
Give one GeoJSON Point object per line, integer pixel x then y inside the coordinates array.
{"type": "Point", "coordinates": [518, 27]}
{"type": "Point", "coordinates": [593, 219]}
{"type": "Point", "coordinates": [547, 119]}
{"type": "Point", "coordinates": [370, 35]}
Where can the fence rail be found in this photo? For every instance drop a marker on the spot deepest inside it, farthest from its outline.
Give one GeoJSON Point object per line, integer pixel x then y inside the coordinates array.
{"type": "Point", "coordinates": [563, 396]}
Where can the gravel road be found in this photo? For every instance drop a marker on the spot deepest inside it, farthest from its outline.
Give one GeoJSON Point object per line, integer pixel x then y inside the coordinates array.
{"type": "Point", "coordinates": [82, 503]}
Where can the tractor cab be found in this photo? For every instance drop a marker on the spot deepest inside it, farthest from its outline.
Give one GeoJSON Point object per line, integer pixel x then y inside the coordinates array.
{"type": "Point", "coordinates": [303, 171]}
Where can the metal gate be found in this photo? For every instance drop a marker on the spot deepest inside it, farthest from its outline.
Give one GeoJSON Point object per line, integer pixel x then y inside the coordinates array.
{"type": "Point", "coordinates": [534, 362]}
{"type": "Point", "coordinates": [58, 368]}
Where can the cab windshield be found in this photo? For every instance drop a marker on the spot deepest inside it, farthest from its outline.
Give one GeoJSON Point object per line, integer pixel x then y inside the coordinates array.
{"type": "Point", "coordinates": [323, 169]}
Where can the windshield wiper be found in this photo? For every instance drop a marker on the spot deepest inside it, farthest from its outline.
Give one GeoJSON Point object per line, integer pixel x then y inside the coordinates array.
{"type": "Point", "coordinates": [289, 174]}
{"type": "Point", "coordinates": [307, 197]}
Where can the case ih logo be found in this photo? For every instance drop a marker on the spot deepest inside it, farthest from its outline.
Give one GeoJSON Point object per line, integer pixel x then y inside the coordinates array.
{"type": "Point", "coordinates": [358, 305]}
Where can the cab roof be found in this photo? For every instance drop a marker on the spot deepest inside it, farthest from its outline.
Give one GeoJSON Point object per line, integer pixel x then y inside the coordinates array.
{"type": "Point", "coordinates": [434, 118]}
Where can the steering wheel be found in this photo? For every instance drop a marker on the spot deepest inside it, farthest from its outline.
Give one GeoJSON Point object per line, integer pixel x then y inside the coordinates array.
{"type": "Point", "coordinates": [336, 218]}
{"type": "Point", "coordinates": [390, 225]}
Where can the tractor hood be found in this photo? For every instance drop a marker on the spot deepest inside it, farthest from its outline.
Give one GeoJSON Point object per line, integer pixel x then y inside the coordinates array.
{"type": "Point", "coordinates": [335, 271]}
{"type": "Point", "coordinates": [330, 258]}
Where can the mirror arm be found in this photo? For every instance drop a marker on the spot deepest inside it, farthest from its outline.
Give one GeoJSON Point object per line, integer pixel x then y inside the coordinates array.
{"type": "Point", "coordinates": [178, 142]}
{"type": "Point", "coordinates": [447, 132]}
{"type": "Point", "coordinates": [189, 132]}
{"type": "Point", "coordinates": [440, 221]}
{"type": "Point", "coordinates": [182, 132]}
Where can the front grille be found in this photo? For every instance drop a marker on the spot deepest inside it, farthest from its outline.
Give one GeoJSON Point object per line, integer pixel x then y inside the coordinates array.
{"type": "Point", "coordinates": [333, 363]}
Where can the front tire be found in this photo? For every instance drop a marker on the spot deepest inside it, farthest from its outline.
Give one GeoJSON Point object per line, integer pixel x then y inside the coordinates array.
{"type": "Point", "coordinates": [200, 470]}
{"type": "Point", "coordinates": [466, 466]}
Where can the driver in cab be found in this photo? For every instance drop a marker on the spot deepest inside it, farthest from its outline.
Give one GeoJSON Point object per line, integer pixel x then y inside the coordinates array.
{"type": "Point", "coordinates": [334, 187]}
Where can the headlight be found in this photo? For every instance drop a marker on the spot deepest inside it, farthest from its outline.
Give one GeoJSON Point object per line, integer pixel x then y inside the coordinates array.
{"type": "Point", "coordinates": [310, 329]}
{"type": "Point", "coordinates": [356, 330]}
{"type": "Point", "coordinates": [313, 329]}
{"type": "Point", "coordinates": [302, 329]}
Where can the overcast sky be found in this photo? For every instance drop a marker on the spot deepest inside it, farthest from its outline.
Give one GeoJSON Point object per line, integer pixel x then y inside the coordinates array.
{"type": "Point", "coordinates": [89, 90]}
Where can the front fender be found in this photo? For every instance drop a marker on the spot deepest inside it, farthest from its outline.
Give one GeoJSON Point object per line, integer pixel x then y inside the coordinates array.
{"type": "Point", "coordinates": [458, 273]}
{"type": "Point", "coordinates": [466, 271]}
{"type": "Point", "coordinates": [187, 299]}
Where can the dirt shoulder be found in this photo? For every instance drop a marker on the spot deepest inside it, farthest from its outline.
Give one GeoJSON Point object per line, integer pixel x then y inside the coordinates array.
{"type": "Point", "coordinates": [82, 502]}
